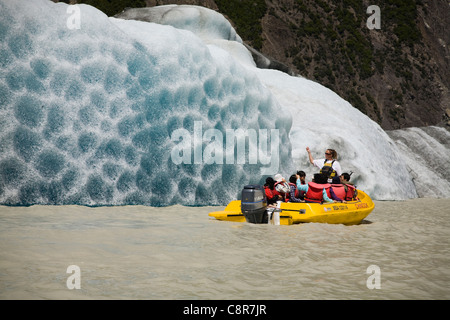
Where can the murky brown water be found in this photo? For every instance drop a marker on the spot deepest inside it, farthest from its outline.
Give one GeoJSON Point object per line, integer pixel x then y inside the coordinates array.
{"type": "Point", "coordinates": [180, 253]}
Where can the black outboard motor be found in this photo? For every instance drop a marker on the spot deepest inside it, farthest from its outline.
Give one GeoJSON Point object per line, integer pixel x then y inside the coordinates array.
{"type": "Point", "coordinates": [254, 204]}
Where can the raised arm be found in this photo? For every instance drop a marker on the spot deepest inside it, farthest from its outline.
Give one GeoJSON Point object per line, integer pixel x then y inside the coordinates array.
{"type": "Point", "coordinates": [310, 156]}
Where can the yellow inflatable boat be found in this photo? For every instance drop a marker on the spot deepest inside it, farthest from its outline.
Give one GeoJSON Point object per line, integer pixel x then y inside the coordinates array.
{"type": "Point", "coordinates": [287, 213]}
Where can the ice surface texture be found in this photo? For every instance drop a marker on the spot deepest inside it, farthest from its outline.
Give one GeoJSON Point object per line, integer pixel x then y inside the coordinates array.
{"type": "Point", "coordinates": [87, 114]}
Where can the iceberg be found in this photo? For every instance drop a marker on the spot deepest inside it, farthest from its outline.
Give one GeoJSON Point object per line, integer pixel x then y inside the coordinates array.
{"type": "Point", "coordinates": [90, 107]}
{"type": "Point", "coordinates": [163, 106]}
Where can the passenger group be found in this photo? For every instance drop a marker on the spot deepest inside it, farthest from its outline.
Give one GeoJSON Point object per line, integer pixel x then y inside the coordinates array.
{"type": "Point", "coordinates": [328, 186]}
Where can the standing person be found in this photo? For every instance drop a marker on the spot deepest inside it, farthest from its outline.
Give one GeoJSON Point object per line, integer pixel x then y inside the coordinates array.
{"type": "Point", "coordinates": [329, 166]}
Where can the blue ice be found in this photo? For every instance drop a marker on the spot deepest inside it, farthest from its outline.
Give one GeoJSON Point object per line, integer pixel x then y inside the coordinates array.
{"type": "Point", "coordinates": [88, 112]}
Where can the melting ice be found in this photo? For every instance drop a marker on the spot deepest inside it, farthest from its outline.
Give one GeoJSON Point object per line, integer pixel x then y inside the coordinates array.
{"type": "Point", "coordinates": [88, 111]}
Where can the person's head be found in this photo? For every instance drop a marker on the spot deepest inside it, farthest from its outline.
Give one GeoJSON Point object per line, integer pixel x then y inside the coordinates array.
{"type": "Point", "coordinates": [336, 180]}
{"type": "Point", "coordinates": [302, 175]}
{"type": "Point", "coordinates": [331, 154]}
{"type": "Point", "coordinates": [320, 178]}
{"type": "Point", "coordinates": [270, 182]}
{"type": "Point", "coordinates": [293, 179]}
{"type": "Point", "coordinates": [345, 176]}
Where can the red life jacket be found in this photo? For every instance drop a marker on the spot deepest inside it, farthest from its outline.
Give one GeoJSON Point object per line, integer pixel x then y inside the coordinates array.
{"type": "Point", "coordinates": [269, 193]}
{"type": "Point", "coordinates": [351, 192]}
{"type": "Point", "coordinates": [339, 191]}
{"type": "Point", "coordinates": [315, 192]}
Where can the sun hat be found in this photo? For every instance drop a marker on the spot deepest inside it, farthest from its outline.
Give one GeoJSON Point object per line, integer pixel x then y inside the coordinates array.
{"type": "Point", "coordinates": [278, 177]}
